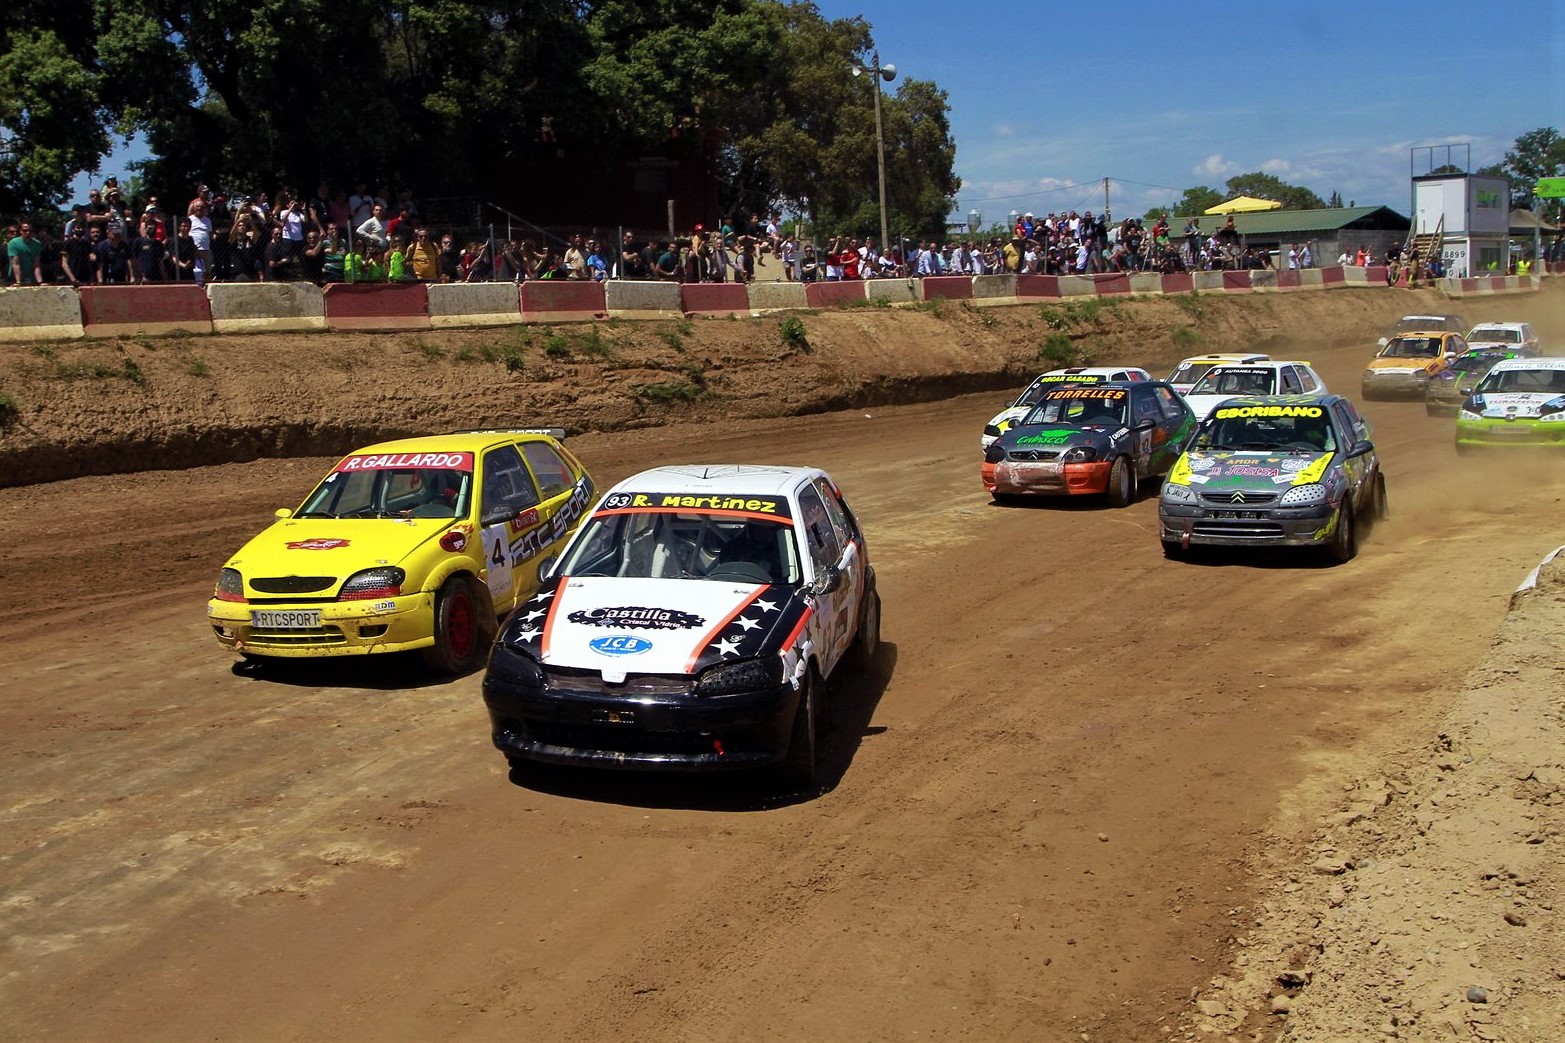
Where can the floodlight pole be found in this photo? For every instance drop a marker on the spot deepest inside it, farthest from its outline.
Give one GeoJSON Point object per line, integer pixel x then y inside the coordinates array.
{"type": "Point", "coordinates": [887, 73]}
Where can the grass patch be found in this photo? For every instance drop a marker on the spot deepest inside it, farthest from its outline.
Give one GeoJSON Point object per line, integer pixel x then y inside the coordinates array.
{"type": "Point", "coordinates": [593, 345]}
{"type": "Point", "coordinates": [1058, 350]}
{"type": "Point", "coordinates": [934, 306]}
{"type": "Point", "coordinates": [198, 368]}
{"type": "Point", "coordinates": [1087, 311]}
{"type": "Point", "coordinates": [1190, 303]}
{"type": "Point", "coordinates": [556, 346]}
{"type": "Point", "coordinates": [793, 334]}
{"type": "Point", "coordinates": [432, 352]}
{"type": "Point", "coordinates": [1185, 337]}
{"type": "Point", "coordinates": [670, 391]}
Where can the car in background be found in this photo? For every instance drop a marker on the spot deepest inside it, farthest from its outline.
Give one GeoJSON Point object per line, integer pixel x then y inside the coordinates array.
{"type": "Point", "coordinates": [1192, 369]}
{"type": "Point", "coordinates": [1408, 361]}
{"type": "Point", "coordinates": [1448, 389]}
{"type": "Point", "coordinates": [1504, 336]}
{"type": "Point", "coordinates": [694, 623]}
{"type": "Point", "coordinates": [418, 543]}
{"type": "Point", "coordinates": [1425, 323]}
{"type": "Point", "coordinates": [1103, 439]}
{"type": "Point", "coordinates": [1072, 376]}
{"type": "Point", "coordinates": [1520, 402]}
{"type": "Point", "coordinates": [1271, 377]}
{"type": "Point", "coordinates": [1282, 471]}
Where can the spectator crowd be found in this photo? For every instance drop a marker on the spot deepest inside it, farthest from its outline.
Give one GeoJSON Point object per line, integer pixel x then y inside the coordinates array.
{"type": "Point", "coordinates": [376, 236]}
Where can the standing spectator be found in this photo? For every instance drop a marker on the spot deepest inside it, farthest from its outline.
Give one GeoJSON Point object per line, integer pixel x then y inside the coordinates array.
{"type": "Point", "coordinates": [374, 228]}
{"type": "Point", "coordinates": [597, 261]}
{"type": "Point", "coordinates": [360, 204]}
{"type": "Point", "coordinates": [278, 262]}
{"type": "Point", "coordinates": [24, 257]}
{"type": "Point", "coordinates": [114, 257]}
{"type": "Point", "coordinates": [1293, 257]}
{"type": "Point", "coordinates": [201, 239]}
{"type": "Point", "coordinates": [576, 259]}
{"type": "Point", "coordinates": [809, 267]}
{"type": "Point", "coordinates": [76, 256]}
{"type": "Point", "coordinates": [667, 264]}
{"type": "Point", "coordinates": [294, 221]}
{"type": "Point", "coordinates": [450, 259]}
{"type": "Point", "coordinates": [146, 253]}
{"type": "Point", "coordinates": [312, 262]}
{"type": "Point", "coordinates": [1306, 257]}
{"type": "Point", "coordinates": [1193, 242]}
{"type": "Point", "coordinates": [319, 206]}
{"type": "Point", "coordinates": [249, 252]}
{"type": "Point", "coordinates": [423, 257]}
{"type": "Point", "coordinates": [341, 215]}
{"type": "Point", "coordinates": [789, 253]}
{"type": "Point", "coordinates": [97, 211]}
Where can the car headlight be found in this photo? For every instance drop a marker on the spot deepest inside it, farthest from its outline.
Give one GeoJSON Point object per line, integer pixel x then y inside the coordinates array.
{"type": "Point", "coordinates": [1468, 414]}
{"type": "Point", "coordinates": [1552, 409]}
{"type": "Point", "coordinates": [1178, 493]}
{"type": "Point", "coordinates": [511, 666]}
{"type": "Point", "coordinates": [230, 586]}
{"type": "Point", "coordinates": [994, 454]}
{"type": "Point", "coordinates": [1303, 495]}
{"type": "Point", "coordinates": [993, 430]}
{"type": "Point", "coordinates": [373, 583]}
{"type": "Point", "coordinates": [746, 675]}
{"type": "Point", "coordinates": [1081, 454]}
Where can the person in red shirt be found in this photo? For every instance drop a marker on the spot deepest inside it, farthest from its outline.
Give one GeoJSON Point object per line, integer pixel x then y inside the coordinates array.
{"type": "Point", "coordinates": [849, 259]}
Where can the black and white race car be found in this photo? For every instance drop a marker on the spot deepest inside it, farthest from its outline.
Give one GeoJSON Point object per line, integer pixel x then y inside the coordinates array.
{"type": "Point", "coordinates": [691, 624]}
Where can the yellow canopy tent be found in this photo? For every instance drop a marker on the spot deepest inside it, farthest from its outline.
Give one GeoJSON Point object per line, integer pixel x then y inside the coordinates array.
{"type": "Point", "coordinates": [1244, 205]}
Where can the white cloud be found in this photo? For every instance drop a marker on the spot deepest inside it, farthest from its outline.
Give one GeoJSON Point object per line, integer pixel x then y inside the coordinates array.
{"type": "Point", "coordinates": [1214, 166]}
{"type": "Point", "coordinates": [1004, 130]}
{"type": "Point", "coordinates": [1277, 168]}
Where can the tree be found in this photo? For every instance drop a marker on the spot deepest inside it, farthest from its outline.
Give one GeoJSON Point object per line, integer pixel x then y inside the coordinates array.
{"type": "Point", "coordinates": [1335, 202]}
{"type": "Point", "coordinates": [1267, 186]}
{"type": "Point", "coordinates": [1197, 201]}
{"type": "Point", "coordinates": [1536, 154]}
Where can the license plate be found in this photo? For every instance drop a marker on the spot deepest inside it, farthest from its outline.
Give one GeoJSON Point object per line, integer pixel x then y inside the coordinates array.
{"type": "Point", "coordinates": [285, 618]}
{"type": "Point", "coordinates": [1238, 514]}
{"type": "Point", "coordinates": [614, 716]}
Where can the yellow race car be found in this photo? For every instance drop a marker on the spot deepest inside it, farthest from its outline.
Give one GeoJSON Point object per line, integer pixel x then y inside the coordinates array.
{"type": "Point", "coordinates": [420, 543]}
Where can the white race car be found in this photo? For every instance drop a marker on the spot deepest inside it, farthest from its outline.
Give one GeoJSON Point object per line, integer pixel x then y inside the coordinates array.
{"type": "Point", "coordinates": [1503, 336]}
{"type": "Point", "coordinates": [1073, 376]}
{"type": "Point", "coordinates": [693, 624]}
{"type": "Point", "coordinates": [1249, 379]}
{"type": "Point", "coordinates": [1192, 369]}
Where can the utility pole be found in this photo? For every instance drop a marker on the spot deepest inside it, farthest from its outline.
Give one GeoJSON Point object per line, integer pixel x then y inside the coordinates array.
{"type": "Point", "coordinates": [1105, 200]}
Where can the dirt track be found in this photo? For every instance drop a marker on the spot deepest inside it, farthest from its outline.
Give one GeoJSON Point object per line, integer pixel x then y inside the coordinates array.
{"type": "Point", "coordinates": [1043, 826]}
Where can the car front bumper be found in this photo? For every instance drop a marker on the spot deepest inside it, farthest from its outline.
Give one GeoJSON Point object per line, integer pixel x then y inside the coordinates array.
{"type": "Point", "coordinates": [346, 627]}
{"type": "Point", "coordinates": [1192, 525]}
{"type": "Point", "coordinates": [1046, 478]}
{"type": "Point", "coordinates": [1394, 385]}
{"type": "Point", "coordinates": [574, 718]}
{"type": "Point", "coordinates": [1526, 432]}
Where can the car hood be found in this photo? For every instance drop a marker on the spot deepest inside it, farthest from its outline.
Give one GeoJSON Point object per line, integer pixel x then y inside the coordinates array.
{"type": "Point", "coordinates": [1060, 436]}
{"type": "Point", "coordinates": [1514, 403]}
{"type": "Point", "coordinates": [338, 546]}
{"type": "Point", "coordinates": [1378, 365]}
{"type": "Point", "coordinates": [1212, 470]}
{"type": "Point", "coordinates": [654, 626]}
{"type": "Point", "coordinates": [1006, 418]}
{"type": "Point", "coordinates": [1202, 405]}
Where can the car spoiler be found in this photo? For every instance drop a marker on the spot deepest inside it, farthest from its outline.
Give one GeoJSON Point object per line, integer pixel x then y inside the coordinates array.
{"type": "Point", "coordinates": [552, 432]}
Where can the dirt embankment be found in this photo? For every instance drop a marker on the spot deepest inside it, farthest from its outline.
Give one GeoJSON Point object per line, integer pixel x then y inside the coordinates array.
{"type": "Point", "coordinates": [130, 404]}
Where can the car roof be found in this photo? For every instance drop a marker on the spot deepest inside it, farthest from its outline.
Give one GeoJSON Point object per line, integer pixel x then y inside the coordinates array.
{"type": "Point", "coordinates": [1542, 362]}
{"type": "Point", "coordinates": [1091, 371]}
{"type": "Point", "coordinates": [1281, 400]}
{"type": "Point", "coordinates": [1500, 326]}
{"type": "Point", "coordinates": [461, 441]}
{"type": "Point", "coordinates": [1232, 356]}
{"type": "Point", "coordinates": [719, 479]}
{"type": "Point", "coordinates": [1265, 364]}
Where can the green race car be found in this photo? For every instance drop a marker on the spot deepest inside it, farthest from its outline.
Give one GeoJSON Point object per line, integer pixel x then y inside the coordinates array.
{"type": "Point", "coordinates": [1521, 402]}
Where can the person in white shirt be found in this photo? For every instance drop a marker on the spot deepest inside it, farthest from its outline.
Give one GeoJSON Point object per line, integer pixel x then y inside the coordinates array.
{"type": "Point", "coordinates": [374, 228]}
{"type": "Point", "coordinates": [201, 236]}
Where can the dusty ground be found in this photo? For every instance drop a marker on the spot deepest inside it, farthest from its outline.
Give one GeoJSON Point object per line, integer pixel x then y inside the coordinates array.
{"type": "Point", "coordinates": [1098, 795]}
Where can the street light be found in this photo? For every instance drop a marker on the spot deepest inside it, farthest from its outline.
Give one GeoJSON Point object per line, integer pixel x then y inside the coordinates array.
{"type": "Point", "coordinates": [887, 73]}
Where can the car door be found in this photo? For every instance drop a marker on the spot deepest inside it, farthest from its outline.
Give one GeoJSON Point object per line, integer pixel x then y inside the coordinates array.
{"type": "Point", "coordinates": [831, 622]}
{"type": "Point", "coordinates": [1359, 468]}
{"type": "Point", "coordinates": [507, 512]}
{"type": "Point", "coordinates": [562, 500]}
{"type": "Point", "coordinates": [1178, 423]}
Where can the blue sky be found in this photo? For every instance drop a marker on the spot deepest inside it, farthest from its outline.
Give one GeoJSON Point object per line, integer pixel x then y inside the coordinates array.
{"type": "Point", "coordinates": [1049, 98]}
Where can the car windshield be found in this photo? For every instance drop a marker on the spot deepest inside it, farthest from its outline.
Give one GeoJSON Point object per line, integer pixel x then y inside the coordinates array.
{"type": "Point", "coordinates": [1475, 363]}
{"type": "Point", "coordinates": [1080, 407]}
{"type": "Point", "coordinates": [1496, 335]}
{"type": "Point", "coordinates": [1412, 348]}
{"type": "Point", "coordinates": [663, 544]}
{"type": "Point", "coordinates": [1524, 381]}
{"type": "Point", "coordinates": [355, 490]}
{"type": "Point", "coordinates": [1415, 323]}
{"type": "Point", "coordinates": [1237, 382]}
{"type": "Point", "coordinates": [1190, 372]}
{"type": "Point", "coordinates": [1045, 384]}
{"type": "Point", "coordinates": [1303, 429]}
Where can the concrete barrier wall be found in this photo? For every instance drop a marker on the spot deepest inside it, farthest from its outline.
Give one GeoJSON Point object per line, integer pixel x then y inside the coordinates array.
{"type": "Point", "coordinates": [715, 298]}
{"type": "Point", "coordinates": [994, 287]}
{"type": "Point", "coordinates": [1289, 279]}
{"type": "Point", "coordinates": [1178, 282]}
{"type": "Point", "coordinates": [40, 313]}
{"type": "Point", "coordinates": [563, 300]}
{"type": "Point", "coordinates": [1205, 282]}
{"type": "Point", "coordinates": [643, 300]}
{"type": "Point", "coordinates": [459, 304]}
{"type": "Point", "coordinates": [1146, 282]}
{"type": "Point", "coordinates": [376, 306]}
{"type": "Point", "coordinates": [1110, 284]}
{"type": "Point", "coordinates": [118, 311]}
{"type": "Point", "coordinates": [1488, 285]}
{"type": "Point", "coordinates": [892, 291]}
{"type": "Point", "coordinates": [1236, 282]}
{"type": "Point", "coordinates": [1034, 287]}
{"type": "Point", "coordinates": [266, 307]}
{"type": "Point", "coordinates": [1076, 286]}
{"type": "Point", "coordinates": [778, 296]}
{"type": "Point", "coordinates": [946, 287]}
{"type": "Point", "coordinates": [1261, 279]}
{"type": "Point", "coordinates": [832, 294]}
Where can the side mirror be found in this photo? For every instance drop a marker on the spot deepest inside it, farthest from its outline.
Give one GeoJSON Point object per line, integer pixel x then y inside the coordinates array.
{"type": "Point", "coordinates": [546, 568]}
{"type": "Point", "coordinates": [1465, 391]}
{"type": "Point", "coordinates": [1146, 423]}
{"type": "Point", "coordinates": [283, 513]}
{"type": "Point", "coordinates": [497, 515]}
{"type": "Point", "coordinates": [1362, 447]}
{"type": "Point", "coordinates": [828, 580]}
{"type": "Point", "coordinates": [1382, 342]}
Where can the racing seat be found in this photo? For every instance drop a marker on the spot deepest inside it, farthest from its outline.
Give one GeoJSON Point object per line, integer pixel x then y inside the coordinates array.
{"type": "Point", "coordinates": [440, 489]}
{"type": "Point", "coordinates": [750, 557]}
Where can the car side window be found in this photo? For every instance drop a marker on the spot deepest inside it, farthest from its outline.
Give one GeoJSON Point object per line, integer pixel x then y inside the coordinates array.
{"type": "Point", "coordinates": [1351, 426]}
{"type": "Point", "coordinates": [1145, 407]}
{"type": "Point", "coordinates": [840, 523]}
{"type": "Point", "coordinates": [1290, 381]}
{"type": "Point", "coordinates": [819, 536]}
{"type": "Point", "coordinates": [1307, 379]}
{"type": "Point", "coordinates": [553, 474]}
{"type": "Point", "coordinates": [506, 481]}
{"type": "Point", "coordinates": [1173, 409]}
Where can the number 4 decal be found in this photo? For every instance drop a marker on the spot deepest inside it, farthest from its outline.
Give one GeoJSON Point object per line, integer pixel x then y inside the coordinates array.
{"type": "Point", "coordinates": [498, 557]}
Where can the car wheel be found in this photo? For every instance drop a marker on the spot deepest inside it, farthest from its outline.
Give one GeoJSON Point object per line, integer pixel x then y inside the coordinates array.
{"type": "Point", "coordinates": [866, 643]}
{"type": "Point", "coordinates": [1344, 542]}
{"type": "Point", "coordinates": [1005, 499]}
{"type": "Point", "coordinates": [1382, 505]}
{"type": "Point", "coordinates": [1173, 550]}
{"type": "Point", "coordinates": [462, 624]}
{"type": "Point", "coordinates": [798, 771]}
{"type": "Point", "coordinates": [1122, 483]}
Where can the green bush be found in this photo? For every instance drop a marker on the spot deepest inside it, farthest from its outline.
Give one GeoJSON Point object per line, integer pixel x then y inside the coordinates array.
{"type": "Point", "coordinates": [1058, 350]}
{"type": "Point", "coordinates": [1186, 337]}
{"type": "Point", "coordinates": [556, 347]}
{"type": "Point", "coordinates": [198, 368]}
{"type": "Point", "coordinates": [669, 391]}
{"type": "Point", "coordinates": [793, 334]}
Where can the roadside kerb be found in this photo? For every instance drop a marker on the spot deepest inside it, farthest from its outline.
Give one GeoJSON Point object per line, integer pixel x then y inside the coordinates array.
{"type": "Point", "coordinates": [893, 291]}
{"type": "Point", "coordinates": [376, 306]}
{"type": "Point", "coordinates": [40, 313]}
{"type": "Point", "coordinates": [777, 296]}
{"type": "Point", "coordinates": [633, 299]}
{"type": "Point", "coordinates": [563, 300]}
{"type": "Point", "coordinates": [266, 307]}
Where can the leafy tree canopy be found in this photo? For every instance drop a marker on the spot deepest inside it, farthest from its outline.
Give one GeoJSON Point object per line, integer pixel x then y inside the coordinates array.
{"type": "Point", "coordinates": [1536, 154]}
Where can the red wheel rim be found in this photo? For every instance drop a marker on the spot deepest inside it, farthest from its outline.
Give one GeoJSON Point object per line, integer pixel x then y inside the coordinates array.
{"type": "Point", "coordinates": [460, 629]}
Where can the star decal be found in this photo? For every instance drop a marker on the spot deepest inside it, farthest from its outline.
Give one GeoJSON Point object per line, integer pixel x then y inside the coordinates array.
{"type": "Point", "coordinates": [529, 633]}
{"type": "Point", "coordinates": [727, 646]}
{"type": "Point", "coordinates": [747, 623]}
{"type": "Point", "coordinates": [766, 606]}
{"type": "Point", "coordinates": [535, 613]}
